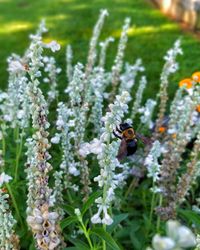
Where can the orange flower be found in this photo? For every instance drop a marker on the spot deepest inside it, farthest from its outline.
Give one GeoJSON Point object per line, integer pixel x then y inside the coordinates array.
{"type": "Point", "coordinates": [162, 129]}
{"type": "Point", "coordinates": [198, 108]}
{"type": "Point", "coordinates": [186, 82]}
{"type": "Point", "coordinates": [196, 76]}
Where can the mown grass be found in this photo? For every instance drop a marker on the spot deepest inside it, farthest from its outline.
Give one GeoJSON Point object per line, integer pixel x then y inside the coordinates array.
{"type": "Point", "coordinates": [71, 21]}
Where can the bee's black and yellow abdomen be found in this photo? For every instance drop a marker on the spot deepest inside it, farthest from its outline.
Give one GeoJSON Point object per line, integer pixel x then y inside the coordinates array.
{"type": "Point", "coordinates": [131, 147]}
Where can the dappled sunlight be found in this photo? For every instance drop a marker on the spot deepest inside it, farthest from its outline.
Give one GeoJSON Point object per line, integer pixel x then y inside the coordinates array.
{"type": "Point", "coordinates": [58, 17]}
{"type": "Point", "coordinates": [79, 6]}
{"type": "Point", "coordinates": [15, 27]}
{"type": "Point", "coordinates": [132, 31]}
{"type": "Point", "coordinates": [66, 1]}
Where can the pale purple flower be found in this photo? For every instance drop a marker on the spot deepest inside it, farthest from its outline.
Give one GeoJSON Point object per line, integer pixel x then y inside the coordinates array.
{"type": "Point", "coordinates": [15, 67]}
{"type": "Point", "coordinates": [53, 45]}
{"type": "Point", "coordinates": [4, 178]}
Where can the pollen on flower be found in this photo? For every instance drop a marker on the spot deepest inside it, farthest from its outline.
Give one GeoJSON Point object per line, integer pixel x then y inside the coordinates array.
{"type": "Point", "coordinates": [174, 135]}
{"type": "Point", "coordinates": [186, 82]}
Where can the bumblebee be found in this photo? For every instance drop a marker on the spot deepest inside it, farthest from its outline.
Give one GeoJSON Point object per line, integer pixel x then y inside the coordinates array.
{"type": "Point", "coordinates": [129, 139]}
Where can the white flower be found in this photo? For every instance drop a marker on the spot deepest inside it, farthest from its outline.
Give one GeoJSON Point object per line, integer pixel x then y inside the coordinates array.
{"type": "Point", "coordinates": [162, 243]}
{"type": "Point", "coordinates": [181, 234]}
{"type": "Point", "coordinates": [15, 67]}
{"type": "Point", "coordinates": [20, 114]}
{"type": "Point", "coordinates": [46, 80]}
{"type": "Point", "coordinates": [149, 160]}
{"type": "Point", "coordinates": [4, 178]}
{"type": "Point", "coordinates": [107, 220]}
{"type": "Point", "coordinates": [7, 118]}
{"type": "Point", "coordinates": [94, 147]}
{"type": "Point", "coordinates": [77, 212]}
{"type": "Point", "coordinates": [186, 237]}
{"type": "Point", "coordinates": [53, 45]}
{"type": "Point", "coordinates": [56, 139]}
{"type": "Point", "coordinates": [84, 149]}
{"type": "Point", "coordinates": [60, 123]}
{"type": "Point", "coordinates": [71, 123]}
{"type": "Point", "coordinates": [96, 219]}
{"type": "Point", "coordinates": [73, 170]}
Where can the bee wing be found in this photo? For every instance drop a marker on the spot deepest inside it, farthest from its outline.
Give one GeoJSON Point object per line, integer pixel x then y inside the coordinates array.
{"type": "Point", "coordinates": [144, 139]}
{"type": "Point", "coordinates": [122, 152]}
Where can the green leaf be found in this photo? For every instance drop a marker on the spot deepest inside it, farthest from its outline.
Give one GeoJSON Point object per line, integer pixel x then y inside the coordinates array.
{"type": "Point", "coordinates": [69, 220]}
{"type": "Point", "coordinates": [32, 247]}
{"type": "Point", "coordinates": [90, 201]}
{"type": "Point", "coordinates": [79, 244]}
{"type": "Point", "coordinates": [189, 215]}
{"type": "Point", "coordinates": [70, 248]}
{"type": "Point", "coordinates": [68, 209]}
{"type": "Point", "coordinates": [135, 242]}
{"type": "Point", "coordinates": [116, 221]}
{"type": "Point", "coordinates": [101, 233]}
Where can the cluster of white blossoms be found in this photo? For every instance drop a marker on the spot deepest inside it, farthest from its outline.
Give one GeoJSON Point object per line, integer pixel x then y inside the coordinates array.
{"type": "Point", "coordinates": [147, 112]}
{"type": "Point", "coordinates": [118, 63]}
{"type": "Point", "coordinates": [138, 97]}
{"type": "Point", "coordinates": [43, 224]}
{"type": "Point", "coordinates": [92, 54]}
{"type": "Point", "coordinates": [14, 103]}
{"type": "Point", "coordinates": [128, 78]}
{"type": "Point", "coordinates": [98, 83]}
{"type": "Point", "coordinates": [8, 238]}
{"type": "Point", "coordinates": [52, 71]}
{"type": "Point", "coordinates": [178, 237]}
{"type": "Point", "coordinates": [104, 46]}
{"type": "Point", "coordinates": [79, 109]}
{"type": "Point", "coordinates": [68, 165]}
{"type": "Point", "coordinates": [108, 179]}
{"type": "Point", "coordinates": [170, 67]}
{"type": "Point", "coordinates": [69, 67]}
{"type": "Point", "coordinates": [37, 159]}
{"type": "Point", "coordinates": [152, 164]}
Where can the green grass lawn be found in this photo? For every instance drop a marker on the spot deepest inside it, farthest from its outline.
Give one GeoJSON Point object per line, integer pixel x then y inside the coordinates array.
{"type": "Point", "coordinates": [71, 21]}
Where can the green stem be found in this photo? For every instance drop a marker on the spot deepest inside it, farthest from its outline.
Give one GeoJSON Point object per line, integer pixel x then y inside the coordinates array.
{"type": "Point", "coordinates": [158, 218]}
{"type": "Point", "coordinates": [86, 235]}
{"type": "Point", "coordinates": [151, 211]}
{"type": "Point", "coordinates": [3, 150]}
{"type": "Point", "coordinates": [16, 134]}
{"type": "Point", "coordinates": [130, 188]}
{"type": "Point", "coordinates": [103, 241]}
{"type": "Point", "coordinates": [3, 146]}
{"type": "Point", "coordinates": [15, 204]}
{"type": "Point", "coordinates": [69, 197]}
{"type": "Point", "coordinates": [152, 208]}
{"type": "Point", "coordinates": [18, 154]}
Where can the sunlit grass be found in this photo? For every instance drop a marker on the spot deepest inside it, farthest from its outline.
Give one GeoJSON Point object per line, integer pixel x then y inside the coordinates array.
{"type": "Point", "coordinates": [14, 27]}
{"type": "Point", "coordinates": [71, 21]}
{"type": "Point", "coordinates": [134, 31]}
